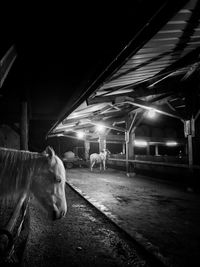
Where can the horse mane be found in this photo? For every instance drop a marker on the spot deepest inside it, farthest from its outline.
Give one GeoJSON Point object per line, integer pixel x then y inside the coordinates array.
{"type": "Point", "coordinates": [16, 167]}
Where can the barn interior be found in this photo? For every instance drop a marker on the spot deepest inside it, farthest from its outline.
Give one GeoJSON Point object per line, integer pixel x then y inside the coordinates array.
{"type": "Point", "coordinates": [68, 78]}
{"type": "Point", "coordinates": [124, 77]}
{"type": "Point", "coordinates": [146, 100]}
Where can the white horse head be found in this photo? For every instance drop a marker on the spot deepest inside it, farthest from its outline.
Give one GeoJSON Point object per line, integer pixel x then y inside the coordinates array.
{"type": "Point", "coordinates": [48, 185]}
{"type": "Point", "coordinates": [106, 152]}
{"type": "Point", "coordinates": [42, 174]}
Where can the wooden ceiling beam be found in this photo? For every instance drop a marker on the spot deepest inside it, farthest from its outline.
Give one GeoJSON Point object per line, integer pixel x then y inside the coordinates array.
{"type": "Point", "coordinates": [109, 126]}
{"type": "Point", "coordinates": [140, 92]}
{"type": "Point", "coordinates": [146, 105]}
{"type": "Point", "coordinates": [115, 114]}
{"type": "Point", "coordinates": [116, 120]}
{"type": "Point", "coordinates": [112, 114]}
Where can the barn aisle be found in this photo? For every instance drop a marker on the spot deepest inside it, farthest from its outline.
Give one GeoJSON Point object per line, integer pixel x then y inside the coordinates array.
{"type": "Point", "coordinates": [83, 238]}
{"type": "Point", "coordinates": [160, 215]}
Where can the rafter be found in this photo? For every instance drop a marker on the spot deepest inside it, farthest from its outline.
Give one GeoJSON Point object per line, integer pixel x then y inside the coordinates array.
{"type": "Point", "coordinates": [140, 92]}
{"type": "Point", "coordinates": [106, 125]}
{"type": "Point", "coordinates": [147, 106]}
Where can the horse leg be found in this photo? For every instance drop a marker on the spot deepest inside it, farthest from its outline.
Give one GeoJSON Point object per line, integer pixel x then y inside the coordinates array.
{"type": "Point", "coordinates": [104, 165]}
{"type": "Point", "coordinates": [92, 165]}
{"type": "Point", "coordinates": [100, 166]}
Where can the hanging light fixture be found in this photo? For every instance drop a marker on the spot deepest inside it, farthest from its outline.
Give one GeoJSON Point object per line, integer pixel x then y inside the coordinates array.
{"type": "Point", "coordinates": [140, 143]}
{"type": "Point", "coordinates": [80, 135]}
{"type": "Point", "coordinates": [171, 143]}
{"type": "Point", "coordinates": [100, 128]}
{"type": "Point", "coordinates": [151, 113]}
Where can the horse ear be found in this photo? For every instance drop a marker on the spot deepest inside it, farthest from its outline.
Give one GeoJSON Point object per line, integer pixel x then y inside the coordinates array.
{"type": "Point", "coordinates": [49, 150]}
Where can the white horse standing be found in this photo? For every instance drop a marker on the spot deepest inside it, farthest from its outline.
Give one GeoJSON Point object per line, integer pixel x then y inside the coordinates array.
{"type": "Point", "coordinates": [41, 174]}
{"type": "Point", "coordinates": [99, 159]}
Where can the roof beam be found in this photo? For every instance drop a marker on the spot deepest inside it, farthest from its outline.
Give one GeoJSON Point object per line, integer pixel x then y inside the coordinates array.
{"type": "Point", "coordinates": [106, 125]}
{"type": "Point", "coordinates": [117, 120]}
{"type": "Point", "coordinates": [113, 114]}
{"type": "Point", "coordinates": [147, 106]}
{"type": "Point", "coordinates": [140, 92]}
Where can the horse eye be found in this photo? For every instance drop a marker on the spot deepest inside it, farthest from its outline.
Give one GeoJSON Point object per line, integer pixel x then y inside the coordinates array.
{"type": "Point", "coordinates": [58, 180]}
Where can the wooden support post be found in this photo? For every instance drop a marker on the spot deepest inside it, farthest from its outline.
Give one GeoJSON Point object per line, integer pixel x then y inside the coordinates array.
{"type": "Point", "coordinates": [189, 131]}
{"type": "Point", "coordinates": [24, 126]}
{"type": "Point", "coordinates": [129, 138]}
{"type": "Point", "coordinates": [127, 149]}
{"type": "Point", "coordinates": [123, 148]}
{"type": "Point", "coordinates": [190, 152]}
{"type": "Point", "coordinates": [87, 149]}
{"type": "Point", "coordinates": [131, 145]}
{"type": "Point", "coordinates": [102, 143]}
{"type": "Point", "coordinates": [156, 150]}
{"type": "Point", "coordinates": [148, 148]}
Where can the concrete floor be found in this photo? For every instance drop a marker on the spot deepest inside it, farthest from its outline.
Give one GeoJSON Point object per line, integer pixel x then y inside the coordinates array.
{"type": "Point", "coordinates": [83, 238]}
{"type": "Point", "coordinates": [161, 216]}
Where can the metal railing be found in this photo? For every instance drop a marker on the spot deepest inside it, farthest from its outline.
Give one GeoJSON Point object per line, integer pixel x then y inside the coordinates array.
{"type": "Point", "coordinates": [169, 164]}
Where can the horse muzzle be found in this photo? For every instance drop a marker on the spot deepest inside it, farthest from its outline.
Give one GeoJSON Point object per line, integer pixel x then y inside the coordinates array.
{"type": "Point", "coordinates": [59, 210]}
{"type": "Point", "coordinates": [58, 215]}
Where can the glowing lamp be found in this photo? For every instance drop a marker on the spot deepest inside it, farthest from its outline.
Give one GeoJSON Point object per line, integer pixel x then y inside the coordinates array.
{"type": "Point", "coordinates": [140, 143]}
{"type": "Point", "coordinates": [80, 135]}
{"type": "Point", "coordinates": [100, 128]}
{"type": "Point", "coordinates": [151, 113]}
{"type": "Point", "coordinates": [171, 143]}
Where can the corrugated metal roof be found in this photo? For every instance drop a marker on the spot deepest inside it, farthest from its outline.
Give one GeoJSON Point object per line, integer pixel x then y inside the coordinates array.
{"type": "Point", "coordinates": [148, 76]}
{"type": "Point", "coordinates": [176, 39]}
